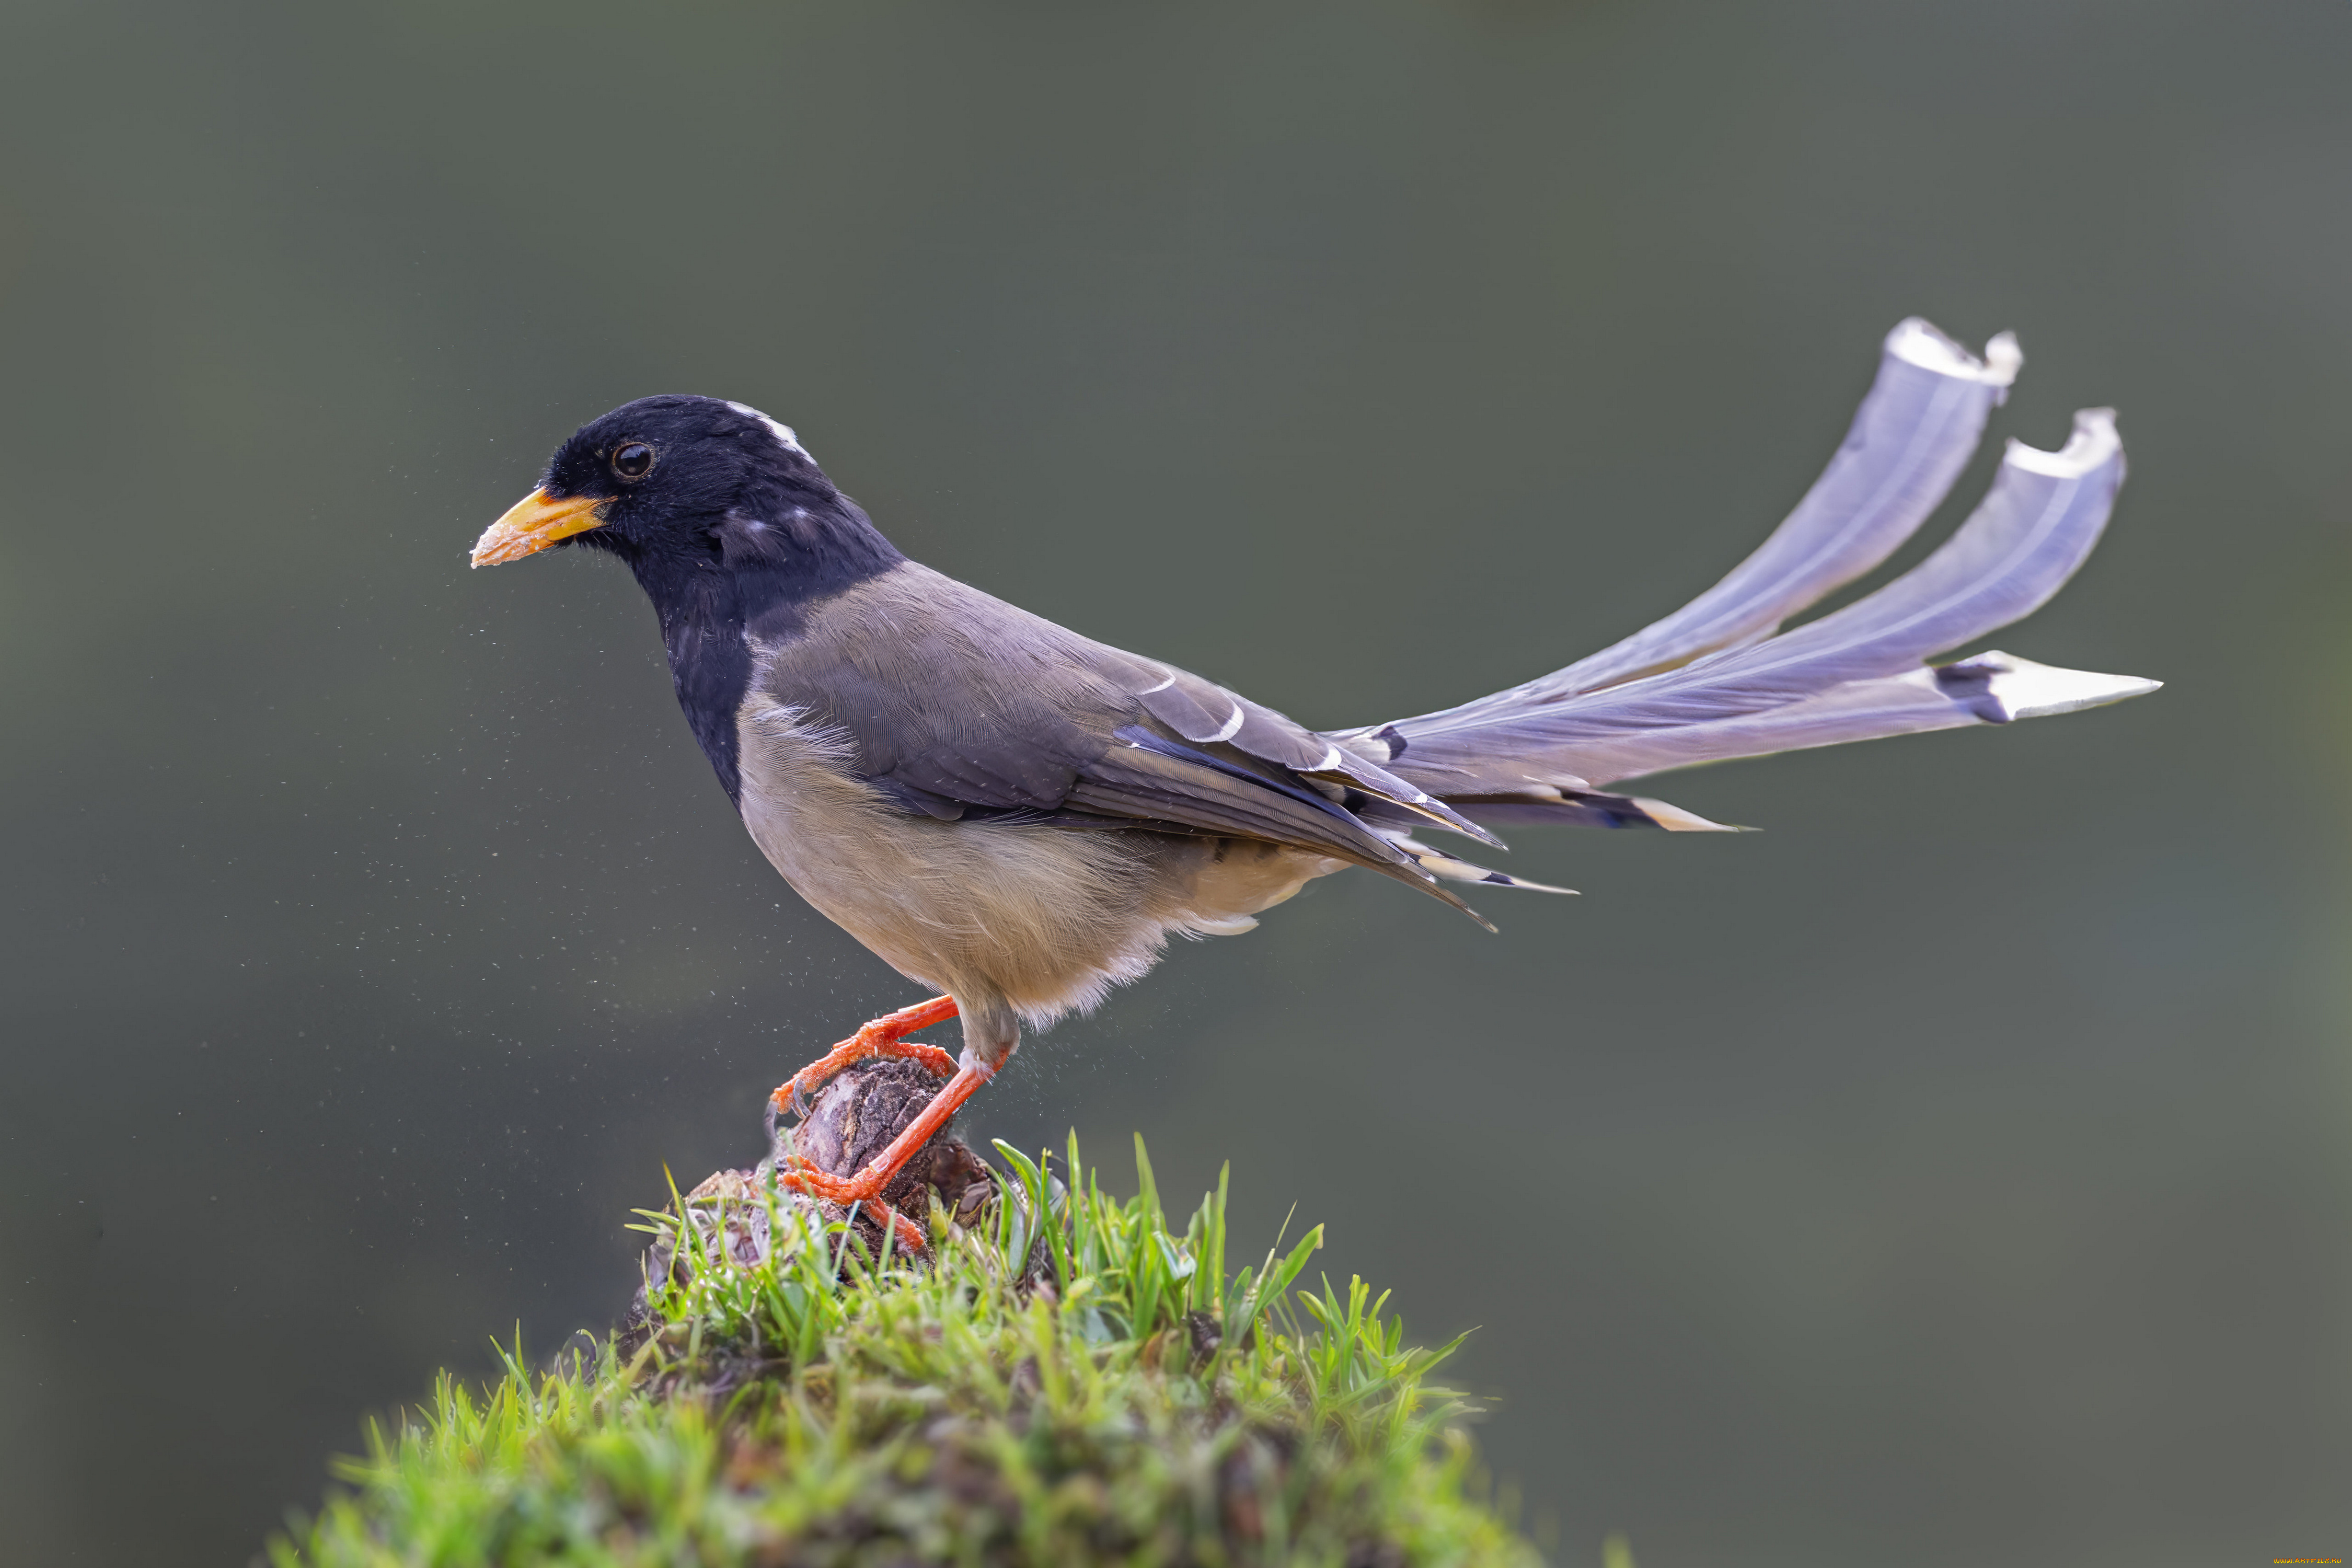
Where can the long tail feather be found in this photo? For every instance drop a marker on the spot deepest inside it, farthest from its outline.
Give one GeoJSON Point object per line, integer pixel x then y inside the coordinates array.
{"type": "Point", "coordinates": [1711, 682]}
{"type": "Point", "coordinates": [1992, 688]}
{"type": "Point", "coordinates": [1909, 440]}
{"type": "Point", "coordinates": [2036, 527]}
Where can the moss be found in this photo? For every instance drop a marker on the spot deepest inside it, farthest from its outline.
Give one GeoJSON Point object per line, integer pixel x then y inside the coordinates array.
{"type": "Point", "coordinates": [1093, 1388]}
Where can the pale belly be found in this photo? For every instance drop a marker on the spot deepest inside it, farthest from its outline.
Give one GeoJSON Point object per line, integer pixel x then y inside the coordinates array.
{"type": "Point", "coordinates": [1038, 920]}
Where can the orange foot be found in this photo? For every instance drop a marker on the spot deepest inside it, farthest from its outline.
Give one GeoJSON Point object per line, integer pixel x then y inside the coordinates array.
{"type": "Point", "coordinates": [866, 1187]}
{"type": "Point", "coordinates": [884, 1036]}
{"type": "Point", "coordinates": [910, 1234]}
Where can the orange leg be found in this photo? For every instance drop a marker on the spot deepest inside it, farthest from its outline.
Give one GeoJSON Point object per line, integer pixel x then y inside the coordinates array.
{"type": "Point", "coordinates": [884, 1036]}
{"type": "Point", "coordinates": [910, 1234]}
{"type": "Point", "coordinates": [867, 1184]}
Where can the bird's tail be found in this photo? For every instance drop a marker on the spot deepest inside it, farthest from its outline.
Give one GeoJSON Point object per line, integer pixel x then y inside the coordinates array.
{"type": "Point", "coordinates": [1719, 678]}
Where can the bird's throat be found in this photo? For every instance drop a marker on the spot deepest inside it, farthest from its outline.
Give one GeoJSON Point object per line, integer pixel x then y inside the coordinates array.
{"type": "Point", "coordinates": [760, 585]}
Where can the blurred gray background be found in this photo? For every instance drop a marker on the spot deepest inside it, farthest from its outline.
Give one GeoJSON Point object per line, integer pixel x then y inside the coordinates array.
{"type": "Point", "coordinates": [1955, 1173]}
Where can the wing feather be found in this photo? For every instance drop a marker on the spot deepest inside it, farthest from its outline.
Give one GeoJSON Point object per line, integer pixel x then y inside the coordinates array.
{"type": "Point", "coordinates": [972, 709]}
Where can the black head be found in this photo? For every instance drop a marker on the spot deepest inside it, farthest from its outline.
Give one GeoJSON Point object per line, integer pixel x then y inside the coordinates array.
{"type": "Point", "coordinates": [730, 527]}
{"type": "Point", "coordinates": [679, 485]}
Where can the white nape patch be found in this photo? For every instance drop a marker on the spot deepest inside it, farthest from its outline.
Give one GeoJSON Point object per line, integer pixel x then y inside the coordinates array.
{"type": "Point", "coordinates": [1232, 726]}
{"type": "Point", "coordinates": [2094, 442]}
{"type": "Point", "coordinates": [1916, 342]}
{"type": "Point", "coordinates": [776, 427]}
{"type": "Point", "coordinates": [2029, 690]}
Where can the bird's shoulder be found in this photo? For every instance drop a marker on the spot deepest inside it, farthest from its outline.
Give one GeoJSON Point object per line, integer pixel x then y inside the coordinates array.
{"type": "Point", "coordinates": [943, 687]}
{"type": "Point", "coordinates": [951, 703]}
{"type": "Point", "coordinates": [945, 696]}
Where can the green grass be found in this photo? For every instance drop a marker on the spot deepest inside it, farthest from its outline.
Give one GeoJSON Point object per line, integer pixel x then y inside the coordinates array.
{"type": "Point", "coordinates": [1094, 1388]}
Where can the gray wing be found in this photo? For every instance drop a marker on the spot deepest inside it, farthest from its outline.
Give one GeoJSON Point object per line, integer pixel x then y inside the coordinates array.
{"type": "Point", "coordinates": [960, 706]}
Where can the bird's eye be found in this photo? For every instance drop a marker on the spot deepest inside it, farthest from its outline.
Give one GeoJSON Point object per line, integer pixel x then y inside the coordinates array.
{"type": "Point", "coordinates": [633, 460]}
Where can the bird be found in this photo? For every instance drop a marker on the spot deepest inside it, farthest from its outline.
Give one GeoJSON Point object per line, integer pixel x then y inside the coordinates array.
{"type": "Point", "coordinates": [1019, 817]}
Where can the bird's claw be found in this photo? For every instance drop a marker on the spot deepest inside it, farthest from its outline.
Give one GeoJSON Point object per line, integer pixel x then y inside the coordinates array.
{"type": "Point", "coordinates": [883, 1036]}
{"type": "Point", "coordinates": [847, 1191]}
{"type": "Point", "coordinates": [801, 1176]}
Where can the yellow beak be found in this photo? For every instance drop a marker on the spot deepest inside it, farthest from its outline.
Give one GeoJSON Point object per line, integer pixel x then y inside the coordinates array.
{"type": "Point", "coordinates": [533, 523]}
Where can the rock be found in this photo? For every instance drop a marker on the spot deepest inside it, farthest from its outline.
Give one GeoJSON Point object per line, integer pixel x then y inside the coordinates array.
{"type": "Point", "coordinates": [854, 1118]}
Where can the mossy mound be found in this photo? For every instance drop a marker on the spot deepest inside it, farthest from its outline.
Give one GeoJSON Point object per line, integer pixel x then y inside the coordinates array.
{"type": "Point", "coordinates": [1091, 1389]}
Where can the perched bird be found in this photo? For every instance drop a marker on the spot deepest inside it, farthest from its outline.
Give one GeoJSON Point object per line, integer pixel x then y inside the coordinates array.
{"type": "Point", "coordinates": [1019, 816]}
